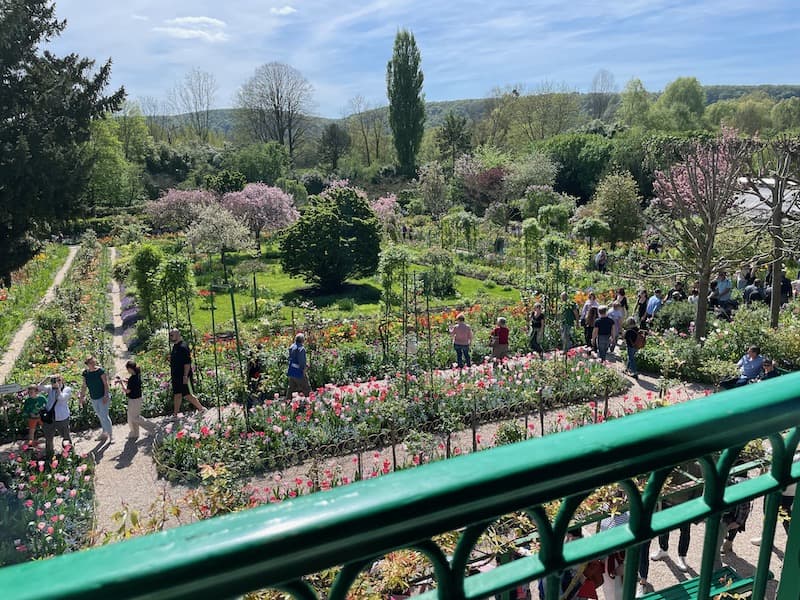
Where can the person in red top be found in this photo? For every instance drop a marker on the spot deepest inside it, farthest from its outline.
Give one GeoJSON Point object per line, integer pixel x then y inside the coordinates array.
{"type": "Point", "coordinates": [499, 339]}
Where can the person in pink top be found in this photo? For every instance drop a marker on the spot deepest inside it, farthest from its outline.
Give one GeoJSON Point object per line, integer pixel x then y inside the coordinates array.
{"type": "Point", "coordinates": [462, 338]}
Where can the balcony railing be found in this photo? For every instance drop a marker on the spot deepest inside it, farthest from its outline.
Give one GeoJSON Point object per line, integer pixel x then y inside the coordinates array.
{"type": "Point", "coordinates": [275, 546]}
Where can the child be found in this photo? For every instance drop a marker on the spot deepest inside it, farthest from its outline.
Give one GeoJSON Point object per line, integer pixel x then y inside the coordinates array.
{"type": "Point", "coordinates": [34, 402]}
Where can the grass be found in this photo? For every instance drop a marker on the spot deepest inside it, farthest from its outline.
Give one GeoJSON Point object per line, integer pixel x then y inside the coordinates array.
{"type": "Point", "coordinates": [358, 298]}
{"type": "Point", "coordinates": [37, 276]}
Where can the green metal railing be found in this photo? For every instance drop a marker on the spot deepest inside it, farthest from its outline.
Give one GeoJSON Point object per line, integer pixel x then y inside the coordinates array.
{"type": "Point", "coordinates": [275, 546]}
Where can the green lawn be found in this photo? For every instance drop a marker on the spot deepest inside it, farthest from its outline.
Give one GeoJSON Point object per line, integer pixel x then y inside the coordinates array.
{"type": "Point", "coordinates": [283, 291]}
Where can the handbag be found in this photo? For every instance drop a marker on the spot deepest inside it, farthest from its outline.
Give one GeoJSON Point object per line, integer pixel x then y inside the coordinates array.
{"type": "Point", "coordinates": [49, 415]}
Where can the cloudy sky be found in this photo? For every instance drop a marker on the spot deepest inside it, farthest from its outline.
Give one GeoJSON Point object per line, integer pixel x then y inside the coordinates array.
{"type": "Point", "coordinates": [468, 47]}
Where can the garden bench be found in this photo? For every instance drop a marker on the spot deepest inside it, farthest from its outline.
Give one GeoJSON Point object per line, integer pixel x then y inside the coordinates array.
{"type": "Point", "coordinates": [724, 582]}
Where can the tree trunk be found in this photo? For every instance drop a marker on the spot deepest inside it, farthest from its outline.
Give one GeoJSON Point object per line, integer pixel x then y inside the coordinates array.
{"type": "Point", "coordinates": [701, 318]}
{"type": "Point", "coordinates": [777, 263]}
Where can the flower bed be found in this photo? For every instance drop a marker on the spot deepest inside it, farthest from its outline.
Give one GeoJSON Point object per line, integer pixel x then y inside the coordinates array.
{"type": "Point", "coordinates": [70, 328]}
{"type": "Point", "coordinates": [46, 508]}
{"type": "Point", "coordinates": [340, 419]}
{"type": "Point", "coordinates": [29, 285]}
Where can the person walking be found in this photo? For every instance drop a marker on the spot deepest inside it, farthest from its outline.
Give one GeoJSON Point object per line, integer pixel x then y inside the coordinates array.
{"type": "Point", "coordinates": [641, 307]}
{"type": "Point", "coordinates": [587, 319]}
{"type": "Point", "coordinates": [180, 367]}
{"type": "Point", "coordinates": [462, 338]}
{"type": "Point", "coordinates": [536, 330]}
{"type": "Point", "coordinates": [96, 381]}
{"type": "Point", "coordinates": [298, 368]}
{"type": "Point", "coordinates": [569, 316]}
{"type": "Point", "coordinates": [632, 334]}
{"type": "Point", "coordinates": [133, 390]}
{"type": "Point", "coordinates": [58, 396]}
{"type": "Point", "coordinates": [498, 339]}
{"type": "Point", "coordinates": [603, 332]}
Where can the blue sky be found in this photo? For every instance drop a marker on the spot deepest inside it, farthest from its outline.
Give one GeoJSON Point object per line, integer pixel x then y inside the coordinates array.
{"type": "Point", "coordinates": [468, 47]}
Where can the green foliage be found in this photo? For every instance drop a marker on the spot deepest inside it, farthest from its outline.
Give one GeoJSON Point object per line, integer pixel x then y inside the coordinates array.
{"type": "Point", "coordinates": [295, 188]}
{"type": "Point", "coordinates": [113, 181]}
{"type": "Point", "coordinates": [635, 104]}
{"type": "Point", "coordinates": [266, 162]}
{"type": "Point", "coordinates": [681, 106]}
{"type": "Point", "coordinates": [338, 236]}
{"type": "Point", "coordinates": [406, 100]}
{"type": "Point", "coordinates": [53, 324]}
{"type": "Point", "coordinates": [433, 190]}
{"type": "Point", "coordinates": [786, 114]}
{"type": "Point", "coordinates": [675, 315]}
{"type": "Point", "coordinates": [510, 432]}
{"type": "Point", "coordinates": [226, 181]}
{"type": "Point", "coordinates": [591, 228]}
{"type": "Point", "coordinates": [453, 138]}
{"type": "Point", "coordinates": [534, 169]}
{"type": "Point", "coordinates": [144, 267]}
{"type": "Point", "coordinates": [47, 104]}
{"type": "Point", "coordinates": [439, 279]}
{"type": "Point", "coordinates": [582, 160]}
{"type": "Point", "coordinates": [333, 144]}
{"type": "Point", "coordinates": [617, 202]}
{"type": "Point", "coordinates": [556, 217]}
{"type": "Point", "coordinates": [394, 260]}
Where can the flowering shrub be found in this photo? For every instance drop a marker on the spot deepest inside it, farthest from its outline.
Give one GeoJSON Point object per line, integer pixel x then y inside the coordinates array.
{"type": "Point", "coordinates": [46, 507]}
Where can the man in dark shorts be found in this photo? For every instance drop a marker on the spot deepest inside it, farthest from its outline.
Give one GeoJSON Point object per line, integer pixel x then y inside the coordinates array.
{"type": "Point", "coordinates": [180, 367]}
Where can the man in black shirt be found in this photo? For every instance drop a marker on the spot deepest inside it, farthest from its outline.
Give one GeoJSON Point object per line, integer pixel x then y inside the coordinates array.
{"type": "Point", "coordinates": [604, 331]}
{"type": "Point", "coordinates": [180, 367]}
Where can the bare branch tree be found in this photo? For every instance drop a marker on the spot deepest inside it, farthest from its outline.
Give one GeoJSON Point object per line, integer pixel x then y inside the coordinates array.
{"type": "Point", "coordinates": [274, 104]}
{"type": "Point", "coordinates": [551, 109]}
{"type": "Point", "coordinates": [601, 93]}
{"type": "Point", "coordinates": [194, 97]}
{"type": "Point", "coordinates": [774, 179]}
{"type": "Point", "coordinates": [359, 122]}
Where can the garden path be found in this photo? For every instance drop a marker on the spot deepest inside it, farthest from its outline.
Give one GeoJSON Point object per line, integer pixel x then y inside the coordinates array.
{"type": "Point", "coordinates": [125, 473]}
{"type": "Point", "coordinates": [26, 330]}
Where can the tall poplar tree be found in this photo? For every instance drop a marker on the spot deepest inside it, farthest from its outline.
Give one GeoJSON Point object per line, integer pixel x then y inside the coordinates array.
{"type": "Point", "coordinates": [406, 100]}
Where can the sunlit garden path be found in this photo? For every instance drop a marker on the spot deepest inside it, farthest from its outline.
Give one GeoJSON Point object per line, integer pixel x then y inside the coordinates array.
{"type": "Point", "coordinates": [17, 344]}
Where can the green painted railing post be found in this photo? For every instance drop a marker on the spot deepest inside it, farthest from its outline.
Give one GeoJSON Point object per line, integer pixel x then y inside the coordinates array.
{"type": "Point", "coordinates": [789, 587]}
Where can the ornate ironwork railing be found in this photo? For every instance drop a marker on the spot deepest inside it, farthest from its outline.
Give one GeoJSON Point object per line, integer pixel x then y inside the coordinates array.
{"type": "Point", "coordinates": [276, 546]}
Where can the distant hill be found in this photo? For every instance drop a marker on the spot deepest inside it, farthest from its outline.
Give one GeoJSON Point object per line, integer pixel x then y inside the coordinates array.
{"type": "Point", "coordinates": [223, 120]}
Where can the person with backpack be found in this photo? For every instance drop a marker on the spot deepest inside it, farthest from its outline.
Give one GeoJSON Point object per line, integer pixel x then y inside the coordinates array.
{"type": "Point", "coordinates": [634, 341]}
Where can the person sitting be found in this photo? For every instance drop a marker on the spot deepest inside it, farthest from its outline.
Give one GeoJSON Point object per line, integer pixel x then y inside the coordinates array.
{"type": "Point", "coordinates": [694, 296]}
{"type": "Point", "coordinates": [769, 370]}
{"type": "Point", "coordinates": [750, 366]}
{"type": "Point", "coordinates": [754, 292]}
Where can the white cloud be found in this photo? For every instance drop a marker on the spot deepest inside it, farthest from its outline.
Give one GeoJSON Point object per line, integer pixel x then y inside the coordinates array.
{"type": "Point", "coordinates": [140, 18]}
{"type": "Point", "coordinates": [283, 10]}
{"type": "Point", "coordinates": [199, 21]}
{"type": "Point", "coordinates": [184, 33]}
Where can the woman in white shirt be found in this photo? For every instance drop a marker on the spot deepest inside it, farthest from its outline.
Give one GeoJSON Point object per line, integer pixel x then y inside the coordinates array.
{"type": "Point", "coordinates": [58, 395]}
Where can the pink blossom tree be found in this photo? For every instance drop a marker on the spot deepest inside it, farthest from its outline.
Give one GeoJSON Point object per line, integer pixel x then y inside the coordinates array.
{"type": "Point", "coordinates": [177, 209]}
{"type": "Point", "coordinates": [388, 211]}
{"type": "Point", "coordinates": [696, 203]}
{"type": "Point", "coordinates": [262, 208]}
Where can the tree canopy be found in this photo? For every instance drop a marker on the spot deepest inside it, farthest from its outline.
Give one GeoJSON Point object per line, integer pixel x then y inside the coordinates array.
{"type": "Point", "coordinates": [47, 104]}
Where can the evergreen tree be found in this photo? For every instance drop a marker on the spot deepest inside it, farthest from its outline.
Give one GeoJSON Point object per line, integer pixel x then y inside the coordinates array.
{"type": "Point", "coordinates": [46, 106]}
{"type": "Point", "coordinates": [406, 100]}
{"type": "Point", "coordinates": [453, 138]}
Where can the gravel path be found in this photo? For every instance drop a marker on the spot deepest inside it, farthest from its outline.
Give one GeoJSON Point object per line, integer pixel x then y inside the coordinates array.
{"type": "Point", "coordinates": [126, 473]}
{"type": "Point", "coordinates": [26, 330]}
